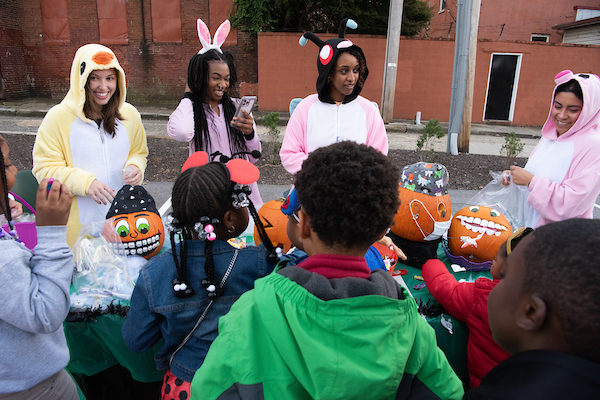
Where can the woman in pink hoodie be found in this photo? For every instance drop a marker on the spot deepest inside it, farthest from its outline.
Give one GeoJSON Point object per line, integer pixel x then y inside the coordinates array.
{"type": "Point", "coordinates": [563, 171]}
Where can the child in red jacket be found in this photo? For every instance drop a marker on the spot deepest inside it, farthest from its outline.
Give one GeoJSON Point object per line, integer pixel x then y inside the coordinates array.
{"type": "Point", "coordinates": [467, 302]}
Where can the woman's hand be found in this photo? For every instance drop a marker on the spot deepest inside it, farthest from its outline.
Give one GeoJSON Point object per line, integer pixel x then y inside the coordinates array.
{"type": "Point", "coordinates": [387, 242]}
{"type": "Point", "coordinates": [52, 206]}
{"type": "Point", "coordinates": [16, 208]}
{"type": "Point", "coordinates": [245, 124]}
{"type": "Point", "coordinates": [521, 176]}
{"type": "Point", "coordinates": [505, 177]}
{"type": "Point", "coordinates": [100, 192]}
{"type": "Point", "coordinates": [133, 175]}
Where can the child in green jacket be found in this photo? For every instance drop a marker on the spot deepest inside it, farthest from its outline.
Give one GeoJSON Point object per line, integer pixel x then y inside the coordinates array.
{"type": "Point", "coordinates": [330, 328]}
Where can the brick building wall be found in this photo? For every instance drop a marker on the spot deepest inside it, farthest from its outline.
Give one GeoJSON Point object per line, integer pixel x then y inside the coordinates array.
{"type": "Point", "coordinates": [508, 20]}
{"type": "Point", "coordinates": [13, 71]}
{"type": "Point", "coordinates": [272, 66]}
{"type": "Point", "coordinates": [424, 79]}
{"type": "Point", "coordinates": [155, 71]}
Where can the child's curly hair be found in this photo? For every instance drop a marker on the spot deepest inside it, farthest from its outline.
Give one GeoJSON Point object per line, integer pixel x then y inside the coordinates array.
{"type": "Point", "coordinates": [561, 266]}
{"type": "Point", "coordinates": [350, 193]}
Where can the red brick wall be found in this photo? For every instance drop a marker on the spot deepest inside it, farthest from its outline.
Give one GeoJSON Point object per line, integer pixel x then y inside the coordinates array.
{"type": "Point", "coordinates": [509, 20]}
{"type": "Point", "coordinates": [155, 71]}
{"type": "Point", "coordinates": [282, 68]}
{"type": "Point", "coordinates": [424, 80]}
{"type": "Point", "coordinates": [13, 71]}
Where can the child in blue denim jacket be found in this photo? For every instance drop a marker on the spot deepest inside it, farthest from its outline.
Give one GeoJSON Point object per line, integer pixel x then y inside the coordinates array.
{"type": "Point", "coordinates": [181, 294]}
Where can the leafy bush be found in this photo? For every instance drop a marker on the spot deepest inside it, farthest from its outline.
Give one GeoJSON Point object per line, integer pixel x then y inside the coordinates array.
{"type": "Point", "coordinates": [433, 131]}
{"type": "Point", "coordinates": [511, 148]}
{"type": "Point", "coordinates": [270, 121]}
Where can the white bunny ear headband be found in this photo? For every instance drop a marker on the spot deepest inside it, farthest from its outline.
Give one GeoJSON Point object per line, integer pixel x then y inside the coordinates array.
{"type": "Point", "coordinates": [220, 36]}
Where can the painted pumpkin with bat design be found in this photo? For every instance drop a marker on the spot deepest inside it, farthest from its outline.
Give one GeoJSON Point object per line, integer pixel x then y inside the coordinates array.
{"type": "Point", "coordinates": [138, 225]}
{"type": "Point", "coordinates": [477, 232]}
{"type": "Point", "coordinates": [425, 206]}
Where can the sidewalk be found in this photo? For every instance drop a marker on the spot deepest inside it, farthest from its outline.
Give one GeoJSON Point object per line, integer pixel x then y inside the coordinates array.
{"type": "Point", "coordinates": [402, 134]}
{"type": "Point", "coordinates": [38, 107]}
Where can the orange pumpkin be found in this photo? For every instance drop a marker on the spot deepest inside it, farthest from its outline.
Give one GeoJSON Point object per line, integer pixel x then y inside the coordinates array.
{"type": "Point", "coordinates": [275, 223]}
{"type": "Point", "coordinates": [477, 232]}
{"type": "Point", "coordinates": [141, 233]}
{"type": "Point", "coordinates": [135, 218]}
{"type": "Point", "coordinates": [425, 206]}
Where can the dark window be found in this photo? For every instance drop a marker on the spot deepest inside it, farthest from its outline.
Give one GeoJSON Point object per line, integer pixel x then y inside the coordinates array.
{"type": "Point", "coordinates": [540, 37]}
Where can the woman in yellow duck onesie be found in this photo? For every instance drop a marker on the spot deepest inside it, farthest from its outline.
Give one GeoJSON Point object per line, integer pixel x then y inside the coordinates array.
{"type": "Point", "coordinates": [93, 141]}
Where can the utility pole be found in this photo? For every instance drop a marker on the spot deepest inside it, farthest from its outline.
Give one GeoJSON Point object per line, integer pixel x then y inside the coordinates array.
{"type": "Point", "coordinates": [465, 133]}
{"type": "Point", "coordinates": [391, 60]}
{"type": "Point", "coordinates": [459, 72]}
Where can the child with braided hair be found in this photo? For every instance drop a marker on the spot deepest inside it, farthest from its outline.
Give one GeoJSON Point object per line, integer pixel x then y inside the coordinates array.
{"type": "Point", "coordinates": [181, 294]}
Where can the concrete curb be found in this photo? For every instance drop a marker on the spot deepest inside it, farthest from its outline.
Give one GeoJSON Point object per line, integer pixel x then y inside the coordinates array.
{"type": "Point", "coordinates": [36, 109]}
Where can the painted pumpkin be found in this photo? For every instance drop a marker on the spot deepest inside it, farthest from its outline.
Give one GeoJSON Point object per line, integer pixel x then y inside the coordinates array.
{"type": "Point", "coordinates": [477, 232]}
{"type": "Point", "coordinates": [136, 220]}
{"type": "Point", "coordinates": [275, 223]}
{"type": "Point", "coordinates": [425, 206]}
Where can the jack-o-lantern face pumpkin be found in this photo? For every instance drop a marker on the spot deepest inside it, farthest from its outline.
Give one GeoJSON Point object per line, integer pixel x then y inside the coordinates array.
{"type": "Point", "coordinates": [137, 222]}
{"type": "Point", "coordinates": [477, 232]}
{"type": "Point", "coordinates": [425, 206]}
{"type": "Point", "coordinates": [275, 223]}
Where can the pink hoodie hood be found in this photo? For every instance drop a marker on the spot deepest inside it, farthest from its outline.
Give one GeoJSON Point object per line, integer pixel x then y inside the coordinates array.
{"type": "Point", "coordinates": [590, 113]}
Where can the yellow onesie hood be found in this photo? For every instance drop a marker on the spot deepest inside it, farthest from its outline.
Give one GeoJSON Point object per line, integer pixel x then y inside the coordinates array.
{"type": "Point", "coordinates": [87, 59]}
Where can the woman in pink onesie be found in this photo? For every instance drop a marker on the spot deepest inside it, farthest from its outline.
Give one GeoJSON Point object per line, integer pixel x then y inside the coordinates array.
{"type": "Point", "coordinates": [336, 112]}
{"type": "Point", "coordinates": [204, 117]}
{"type": "Point", "coordinates": [563, 171]}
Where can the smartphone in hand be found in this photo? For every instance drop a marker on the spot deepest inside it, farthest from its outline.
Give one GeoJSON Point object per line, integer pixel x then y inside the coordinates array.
{"type": "Point", "coordinates": [246, 104]}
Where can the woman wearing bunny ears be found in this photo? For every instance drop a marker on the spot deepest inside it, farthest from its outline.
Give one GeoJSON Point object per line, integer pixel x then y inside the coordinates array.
{"type": "Point", "coordinates": [204, 117]}
{"type": "Point", "coordinates": [336, 112]}
{"type": "Point", "coordinates": [562, 173]}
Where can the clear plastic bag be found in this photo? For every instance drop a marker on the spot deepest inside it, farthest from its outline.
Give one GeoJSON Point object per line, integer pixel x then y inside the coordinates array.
{"type": "Point", "coordinates": [103, 273]}
{"type": "Point", "coordinates": [510, 200]}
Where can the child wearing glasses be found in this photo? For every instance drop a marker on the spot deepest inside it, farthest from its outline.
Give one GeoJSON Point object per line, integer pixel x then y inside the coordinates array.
{"type": "Point", "coordinates": [545, 313]}
{"type": "Point", "coordinates": [467, 302]}
{"type": "Point", "coordinates": [329, 327]}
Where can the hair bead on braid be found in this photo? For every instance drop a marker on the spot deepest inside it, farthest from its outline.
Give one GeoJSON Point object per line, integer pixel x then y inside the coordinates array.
{"type": "Point", "coordinates": [201, 196]}
{"type": "Point", "coordinates": [180, 285]}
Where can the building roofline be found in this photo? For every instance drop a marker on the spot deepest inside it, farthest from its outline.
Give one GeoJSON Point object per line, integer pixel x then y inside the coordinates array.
{"type": "Point", "coordinates": [577, 24]}
{"type": "Point", "coordinates": [586, 8]}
